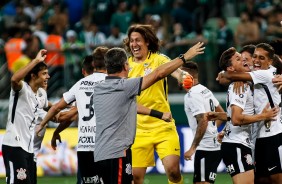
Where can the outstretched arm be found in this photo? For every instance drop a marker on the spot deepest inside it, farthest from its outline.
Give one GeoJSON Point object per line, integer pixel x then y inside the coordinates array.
{"type": "Point", "coordinates": [20, 75]}
{"type": "Point", "coordinates": [53, 111]}
{"type": "Point", "coordinates": [169, 67]}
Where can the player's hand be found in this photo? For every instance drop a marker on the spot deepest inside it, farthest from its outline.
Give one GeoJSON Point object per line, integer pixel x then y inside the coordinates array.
{"type": "Point", "coordinates": [187, 81]}
{"type": "Point", "coordinates": [194, 51]}
{"type": "Point", "coordinates": [188, 154]}
{"type": "Point", "coordinates": [220, 136]}
{"type": "Point", "coordinates": [277, 81]}
{"type": "Point", "coordinates": [41, 55]}
{"type": "Point", "coordinates": [38, 129]}
{"type": "Point", "coordinates": [239, 87]}
{"type": "Point", "coordinates": [221, 79]}
{"type": "Point", "coordinates": [167, 116]}
{"type": "Point", "coordinates": [270, 113]}
{"type": "Point", "coordinates": [54, 139]}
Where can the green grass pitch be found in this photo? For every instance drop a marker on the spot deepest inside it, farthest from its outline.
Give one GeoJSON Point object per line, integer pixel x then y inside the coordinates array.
{"type": "Point", "coordinates": [222, 178]}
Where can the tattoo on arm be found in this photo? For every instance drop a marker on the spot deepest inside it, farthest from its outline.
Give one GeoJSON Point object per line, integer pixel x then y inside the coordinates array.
{"type": "Point", "coordinates": [201, 129]}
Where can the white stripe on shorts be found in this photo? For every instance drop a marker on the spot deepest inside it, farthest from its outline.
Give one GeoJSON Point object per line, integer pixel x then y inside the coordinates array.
{"type": "Point", "coordinates": [239, 160]}
{"type": "Point", "coordinates": [280, 154]}
{"type": "Point", "coordinates": [203, 169]}
{"type": "Point", "coordinates": [12, 174]}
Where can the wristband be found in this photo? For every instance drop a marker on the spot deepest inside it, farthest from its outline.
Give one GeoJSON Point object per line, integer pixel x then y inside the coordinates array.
{"type": "Point", "coordinates": [156, 114]}
{"type": "Point", "coordinates": [181, 56]}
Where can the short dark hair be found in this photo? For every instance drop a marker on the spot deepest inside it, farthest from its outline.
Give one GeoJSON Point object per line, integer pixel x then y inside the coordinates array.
{"type": "Point", "coordinates": [98, 57]}
{"type": "Point", "coordinates": [35, 70]}
{"type": "Point", "coordinates": [277, 45]}
{"type": "Point", "coordinates": [225, 58]}
{"type": "Point", "coordinates": [191, 67]}
{"type": "Point", "coordinates": [277, 63]}
{"type": "Point", "coordinates": [115, 59]}
{"type": "Point", "coordinates": [248, 48]}
{"type": "Point", "coordinates": [87, 64]}
{"type": "Point", "coordinates": [149, 35]}
{"type": "Point", "coordinates": [268, 48]}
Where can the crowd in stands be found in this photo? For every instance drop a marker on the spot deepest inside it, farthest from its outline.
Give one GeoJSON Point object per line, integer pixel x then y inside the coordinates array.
{"type": "Point", "coordinates": [71, 29]}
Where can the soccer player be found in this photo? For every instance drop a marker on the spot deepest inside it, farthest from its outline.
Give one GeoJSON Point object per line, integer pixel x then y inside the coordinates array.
{"type": "Point", "coordinates": [198, 101]}
{"type": "Point", "coordinates": [115, 100]}
{"type": "Point", "coordinates": [82, 92]}
{"type": "Point", "coordinates": [268, 142]}
{"type": "Point", "coordinates": [152, 133]}
{"type": "Point", "coordinates": [24, 110]}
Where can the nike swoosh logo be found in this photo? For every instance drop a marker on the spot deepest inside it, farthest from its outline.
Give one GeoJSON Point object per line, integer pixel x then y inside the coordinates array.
{"type": "Point", "coordinates": [270, 169]}
{"type": "Point", "coordinates": [176, 149]}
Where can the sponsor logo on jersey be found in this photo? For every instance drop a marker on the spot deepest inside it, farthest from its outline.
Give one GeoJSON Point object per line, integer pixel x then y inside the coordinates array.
{"type": "Point", "coordinates": [21, 174]}
{"type": "Point", "coordinates": [239, 101]}
{"type": "Point", "coordinates": [147, 71]}
{"type": "Point", "coordinates": [205, 91]}
{"type": "Point", "coordinates": [86, 139]}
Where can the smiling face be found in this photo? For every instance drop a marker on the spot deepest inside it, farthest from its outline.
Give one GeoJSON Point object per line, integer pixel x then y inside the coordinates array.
{"type": "Point", "coordinates": [41, 80]}
{"type": "Point", "coordinates": [238, 64]}
{"type": "Point", "coordinates": [261, 59]}
{"type": "Point", "coordinates": [138, 46]}
{"type": "Point", "coordinates": [248, 59]}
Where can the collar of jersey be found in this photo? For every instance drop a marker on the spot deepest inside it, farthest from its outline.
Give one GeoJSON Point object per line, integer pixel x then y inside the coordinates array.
{"type": "Point", "coordinates": [113, 77]}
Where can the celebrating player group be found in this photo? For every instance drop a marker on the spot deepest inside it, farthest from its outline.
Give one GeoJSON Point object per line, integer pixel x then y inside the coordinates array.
{"type": "Point", "coordinates": [122, 109]}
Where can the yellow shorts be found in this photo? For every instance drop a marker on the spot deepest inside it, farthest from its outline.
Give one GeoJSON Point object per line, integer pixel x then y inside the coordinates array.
{"type": "Point", "coordinates": [164, 141]}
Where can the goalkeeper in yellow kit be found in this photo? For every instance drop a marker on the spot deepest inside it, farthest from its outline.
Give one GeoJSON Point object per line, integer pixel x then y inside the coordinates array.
{"type": "Point", "coordinates": [153, 133]}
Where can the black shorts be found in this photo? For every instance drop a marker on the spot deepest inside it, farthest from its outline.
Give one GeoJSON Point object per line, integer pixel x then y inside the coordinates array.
{"type": "Point", "coordinates": [237, 158]}
{"type": "Point", "coordinates": [205, 165]}
{"type": "Point", "coordinates": [19, 165]}
{"type": "Point", "coordinates": [116, 170]}
{"type": "Point", "coordinates": [268, 155]}
{"type": "Point", "coordinates": [87, 168]}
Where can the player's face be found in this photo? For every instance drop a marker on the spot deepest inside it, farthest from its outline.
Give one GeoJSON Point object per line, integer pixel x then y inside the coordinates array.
{"type": "Point", "coordinates": [138, 46]}
{"type": "Point", "coordinates": [238, 64]}
{"type": "Point", "coordinates": [42, 78]}
{"type": "Point", "coordinates": [247, 57]}
{"type": "Point", "coordinates": [261, 59]}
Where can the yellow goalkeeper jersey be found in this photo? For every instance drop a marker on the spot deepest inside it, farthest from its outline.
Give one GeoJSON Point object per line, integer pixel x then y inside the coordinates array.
{"type": "Point", "coordinates": [154, 97]}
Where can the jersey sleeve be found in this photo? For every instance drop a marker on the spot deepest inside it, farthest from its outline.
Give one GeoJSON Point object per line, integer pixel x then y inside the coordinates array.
{"type": "Point", "coordinates": [69, 96]}
{"type": "Point", "coordinates": [196, 103]}
{"type": "Point", "coordinates": [261, 76]}
{"type": "Point", "coordinates": [239, 99]}
{"type": "Point", "coordinates": [133, 86]}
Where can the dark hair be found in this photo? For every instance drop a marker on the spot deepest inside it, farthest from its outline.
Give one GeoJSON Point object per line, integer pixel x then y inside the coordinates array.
{"type": "Point", "coordinates": [98, 57]}
{"type": "Point", "coordinates": [248, 48]}
{"type": "Point", "coordinates": [267, 48]}
{"type": "Point", "coordinates": [277, 63]}
{"type": "Point", "coordinates": [115, 59]}
{"type": "Point", "coordinates": [87, 64]}
{"type": "Point", "coordinates": [225, 58]}
{"type": "Point", "coordinates": [191, 67]}
{"type": "Point", "coordinates": [277, 46]}
{"type": "Point", "coordinates": [35, 70]}
{"type": "Point", "coordinates": [149, 35]}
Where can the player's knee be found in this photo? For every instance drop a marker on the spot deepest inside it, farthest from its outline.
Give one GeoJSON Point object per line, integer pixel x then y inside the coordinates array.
{"type": "Point", "coordinates": [138, 179]}
{"type": "Point", "coordinates": [173, 174]}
